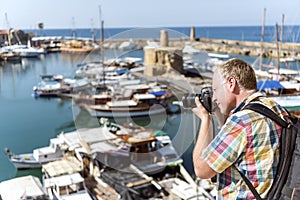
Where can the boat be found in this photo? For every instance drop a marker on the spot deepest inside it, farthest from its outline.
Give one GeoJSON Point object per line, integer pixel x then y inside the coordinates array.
{"type": "Point", "coordinates": [69, 186]}
{"type": "Point", "coordinates": [10, 57]}
{"type": "Point", "coordinates": [183, 190]}
{"type": "Point", "coordinates": [50, 86]}
{"type": "Point", "coordinates": [189, 49]}
{"type": "Point", "coordinates": [130, 183]}
{"type": "Point", "coordinates": [290, 102]}
{"type": "Point", "coordinates": [111, 144]}
{"type": "Point", "coordinates": [124, 108]}
{"type": "Point", "coordinates": [128, 46]}
{"type": "Point", "coordinates": [219, 56]}
{"type": "Point", "coordinates": [113, 68]}
{"type": "Point", "coordinates": [55, 86]}
{"type": "Point", "coordinates": [76, 46]}
{"type": "Point", "coordinates": [133, 100]}
{"type": "Point", "coordinates": [62, 179]}
{"type": "Point", "coordinates": [24, 50]}
{"type": "Point", "coordinates": [25, 187]}
{"type": "Point", "coordinates": [40, 156]}
{"type": "Point", "coordinates": [49, 43]}
{"type": "Point", "coordinates": [149, 151]}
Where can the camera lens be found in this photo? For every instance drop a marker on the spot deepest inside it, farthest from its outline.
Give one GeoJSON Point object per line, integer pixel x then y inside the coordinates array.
{"type": "Point", "coordinates": [188, 100]}
{"type": "Point", "coordinates": [205, 97]}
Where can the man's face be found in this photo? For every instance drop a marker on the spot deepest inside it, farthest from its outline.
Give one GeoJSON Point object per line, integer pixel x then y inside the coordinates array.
{"type": "Point", "coordinates": [219, 92]}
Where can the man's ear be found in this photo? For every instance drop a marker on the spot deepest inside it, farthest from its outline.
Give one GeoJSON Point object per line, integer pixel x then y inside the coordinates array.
{"type": "Point", "coordinates": [232, 83]}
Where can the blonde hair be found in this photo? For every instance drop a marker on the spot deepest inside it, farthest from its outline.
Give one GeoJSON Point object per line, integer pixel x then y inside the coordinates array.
{"type": "Point", "coordinates": [241, 71]}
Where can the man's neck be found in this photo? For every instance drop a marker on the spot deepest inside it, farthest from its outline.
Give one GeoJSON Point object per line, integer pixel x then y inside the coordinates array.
{"type": "Point", "coordinates": [243, 95]}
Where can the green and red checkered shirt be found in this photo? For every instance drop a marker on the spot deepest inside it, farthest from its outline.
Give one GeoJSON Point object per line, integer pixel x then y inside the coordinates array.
{"type": "Point", "coordinates": [250, 141]}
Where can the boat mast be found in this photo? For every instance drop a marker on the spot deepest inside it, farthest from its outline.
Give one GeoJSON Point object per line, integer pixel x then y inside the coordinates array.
{"type": "Point", "coordinates": [73, 28]}
{"type": "Point", "coordinates": [92, 31]}
{"type": "Point", "coordinates": [281, 32]}
{"type": "Point", "coordinates": [262, 40]}
{"type": "Point", "coordinates": [8, 28]}
{"type": "Point", "coordinates": [278, 50]}
{"type": "Point", "coordinates": [101, 45]}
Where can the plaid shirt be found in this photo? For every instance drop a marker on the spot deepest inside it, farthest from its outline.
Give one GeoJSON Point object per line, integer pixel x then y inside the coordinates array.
{"type": "Point", "coordinates": [250, 141]}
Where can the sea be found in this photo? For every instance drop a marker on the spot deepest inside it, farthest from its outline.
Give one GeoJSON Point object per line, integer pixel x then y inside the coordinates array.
{"type": "Point", "coordinates": [27, 122]}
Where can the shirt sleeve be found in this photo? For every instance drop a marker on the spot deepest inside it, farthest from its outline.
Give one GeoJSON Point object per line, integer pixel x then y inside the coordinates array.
{"type": "Point", "coordinates": [227, 146]}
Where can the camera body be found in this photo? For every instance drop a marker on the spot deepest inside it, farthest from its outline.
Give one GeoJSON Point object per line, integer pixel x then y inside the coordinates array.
{"type": "Point", "coordinates": [205, 97]}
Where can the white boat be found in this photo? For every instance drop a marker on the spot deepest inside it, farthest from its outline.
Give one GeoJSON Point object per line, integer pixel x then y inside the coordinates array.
{"type": "Point", "coordinates": [133, 100]}
{"type": "Point", "coordinates": [124, 108]}
{"type": "Point", "coordinates": [189, 49]}
{"type": "Point", "coordinates": [24, 50]}
{"type": "Point", "coordinates": [114, 145]}
{"type": "Point", "coordinates": [56, 85]}
{"type": "Point", "coordinates": [39, 156]}
{"type": "Point", "coordinates": [128, 45]}
{"type": "Point", "coordinates": [291, 102]}
{"type": "Point", "coordinates": [186, 191]}
{"type": "Point", "coordinates": [288, 59]}
{"type": "Point", "coordinates": [67, 187]}
{"type": "Point", "coordinates": [50, 86]}
{"type": "Point", "coordinates": [26, 187]}
{"type": "Point", "coordinates": [219, 56]}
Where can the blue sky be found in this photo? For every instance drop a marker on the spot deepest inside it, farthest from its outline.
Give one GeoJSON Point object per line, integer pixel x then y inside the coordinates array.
{"type": "Point", "coordinates": [26, 14]}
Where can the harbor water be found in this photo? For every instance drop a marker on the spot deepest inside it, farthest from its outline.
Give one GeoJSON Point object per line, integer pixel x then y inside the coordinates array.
{"type": "Point", "coordinates": [28, 122]}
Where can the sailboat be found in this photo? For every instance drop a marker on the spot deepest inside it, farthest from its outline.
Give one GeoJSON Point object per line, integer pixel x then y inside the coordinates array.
{"type": "Point", "coordinates": [282, 85]}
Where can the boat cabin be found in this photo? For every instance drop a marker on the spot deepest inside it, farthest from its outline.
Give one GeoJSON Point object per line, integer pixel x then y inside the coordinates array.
{"type": "Point", "coordinates": [54, 151]}
{"type": "Point", "coordinates": [67, 186]}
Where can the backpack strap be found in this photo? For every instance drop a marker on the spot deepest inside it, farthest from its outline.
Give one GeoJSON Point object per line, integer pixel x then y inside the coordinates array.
{"type": "Point", "coordinates": [249, 184]}
{"type": "Point", "coordinates": [261, 109]}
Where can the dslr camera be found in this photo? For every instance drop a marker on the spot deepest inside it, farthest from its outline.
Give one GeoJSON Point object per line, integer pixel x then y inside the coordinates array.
{"type": "Point", "coordinates": [205, 97]}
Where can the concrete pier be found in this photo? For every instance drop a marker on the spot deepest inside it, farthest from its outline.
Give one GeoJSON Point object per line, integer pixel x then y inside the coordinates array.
{"type": "Point", "coordinates": [234, 47]}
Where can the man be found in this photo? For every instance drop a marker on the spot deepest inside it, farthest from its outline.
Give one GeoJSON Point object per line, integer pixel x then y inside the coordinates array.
{"type": "Point", "coordinates": [248, 140]}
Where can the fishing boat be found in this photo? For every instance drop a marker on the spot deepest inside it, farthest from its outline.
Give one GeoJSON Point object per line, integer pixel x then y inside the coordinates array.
{"type": "Point", "coordinates": [39, 156]}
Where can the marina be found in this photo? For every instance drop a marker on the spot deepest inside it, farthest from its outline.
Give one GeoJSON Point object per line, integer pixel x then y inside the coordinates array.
{"type": "Point", "coordinates": [34, 119]}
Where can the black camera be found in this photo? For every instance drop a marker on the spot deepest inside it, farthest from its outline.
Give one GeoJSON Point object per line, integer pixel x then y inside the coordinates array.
{"type": "Point", "coordinates": [205, 97]}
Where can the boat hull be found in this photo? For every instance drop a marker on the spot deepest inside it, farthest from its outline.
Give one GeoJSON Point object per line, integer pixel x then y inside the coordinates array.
{"type": "Point", "coordinates": [127, 112]}
{"type": "Point", "coordinates": [26, 161]}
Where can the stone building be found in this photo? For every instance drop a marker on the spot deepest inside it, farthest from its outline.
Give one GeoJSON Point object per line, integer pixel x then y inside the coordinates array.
{"type": "Point", "coordinates": [163, 59]}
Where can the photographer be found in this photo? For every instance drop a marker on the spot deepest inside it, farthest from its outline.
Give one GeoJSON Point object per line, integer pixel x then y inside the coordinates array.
{"type": "Point", "coordinates": [248, 140]}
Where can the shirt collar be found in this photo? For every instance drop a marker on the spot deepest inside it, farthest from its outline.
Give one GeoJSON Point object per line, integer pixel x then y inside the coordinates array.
{"type": "Point", "coordinates": [246, 101]}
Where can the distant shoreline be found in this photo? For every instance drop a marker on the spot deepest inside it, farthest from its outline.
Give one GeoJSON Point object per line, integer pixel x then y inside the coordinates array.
{"type": "Point", "coordinates": [240, 33]}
